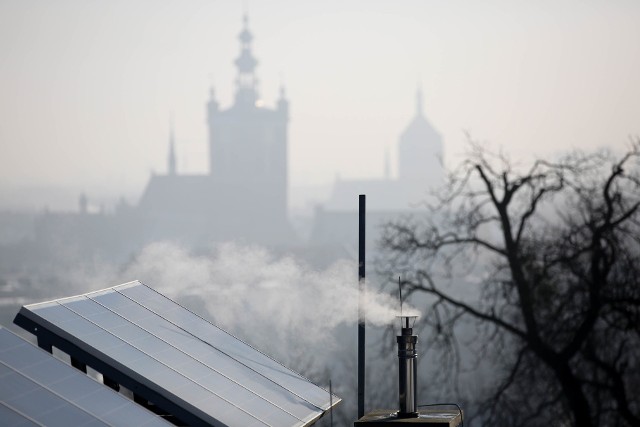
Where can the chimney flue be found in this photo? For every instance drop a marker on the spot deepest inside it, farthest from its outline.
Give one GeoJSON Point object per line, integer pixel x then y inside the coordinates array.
{"type": "Point", "coordinates": [407, 358]}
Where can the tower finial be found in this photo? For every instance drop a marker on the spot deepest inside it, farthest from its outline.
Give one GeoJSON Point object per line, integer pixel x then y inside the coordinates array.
{"type": "Point", "coordinates": [246, 65]}
{"type": "Point", "coordinates": [387, 165]}
{"type": "Point", "coordinates": [212, 86]}
{"type": "Point", "coordinates": [171, 169]}
{"type": "Point", "coordinates": [282, 87]}
{"type": "Point", "coordinates": [283, 104]}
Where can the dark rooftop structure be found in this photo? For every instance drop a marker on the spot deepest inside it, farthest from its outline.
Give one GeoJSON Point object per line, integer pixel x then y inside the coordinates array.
{"type": "Point", "coordinates": [409, 411]}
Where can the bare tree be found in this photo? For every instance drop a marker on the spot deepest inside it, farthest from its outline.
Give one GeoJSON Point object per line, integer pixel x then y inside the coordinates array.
{"type": "Point", "coordinates": [545, 262]}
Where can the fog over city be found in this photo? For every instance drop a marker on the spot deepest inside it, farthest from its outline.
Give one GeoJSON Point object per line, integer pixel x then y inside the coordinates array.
{"type": "Point", "coordinates": [89, 88]}
{"type": "Point", "coordinates": [215, 151]}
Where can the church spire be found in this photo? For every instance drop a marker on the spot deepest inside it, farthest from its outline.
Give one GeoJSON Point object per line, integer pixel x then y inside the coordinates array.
{"type": "Point", "coordinates": [419, 101]}
{"type": "Point", "coordinates": [172, 152]}
{"type": "Point", "coordinates": [283, 103]}
{"type": "Point", "coordinates": [246, 81]}
{"type": "Point", "coordinates": [387, 165]}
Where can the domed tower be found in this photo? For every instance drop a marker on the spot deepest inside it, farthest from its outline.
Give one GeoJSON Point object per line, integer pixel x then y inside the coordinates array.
{"type": "Point", "coordinates": [420, 155]}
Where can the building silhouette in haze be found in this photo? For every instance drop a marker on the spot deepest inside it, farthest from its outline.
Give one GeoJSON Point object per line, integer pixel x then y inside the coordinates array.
{"type": "Point", "coordinates": [420, 169]}
{"type": "Point", "coordinates": [420, 156]}
{"type": "Point", "coordinates": [244, 195]}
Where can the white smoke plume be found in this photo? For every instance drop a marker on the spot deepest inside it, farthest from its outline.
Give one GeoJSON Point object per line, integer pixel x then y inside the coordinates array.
{"type": "Point", "coordinates": [247, 290]}
{"type": "Point", "coordinates": [302, 317]}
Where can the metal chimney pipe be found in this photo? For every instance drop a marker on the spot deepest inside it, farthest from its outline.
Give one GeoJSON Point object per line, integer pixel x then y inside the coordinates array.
{"type": "Point", "coordinates": [407, 369]}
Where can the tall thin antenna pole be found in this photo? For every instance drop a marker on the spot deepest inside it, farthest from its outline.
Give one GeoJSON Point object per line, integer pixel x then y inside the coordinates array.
{"type": "Point", "coordinates": [331, 402]}
{"type": "Point", "coordinates": [400, 288]}
{"type": "Point", "coordinates": [361, 309]}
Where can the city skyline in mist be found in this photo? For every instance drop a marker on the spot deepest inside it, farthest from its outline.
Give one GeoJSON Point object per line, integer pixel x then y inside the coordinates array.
{"type": "Point", "coordinates": [89, 88]}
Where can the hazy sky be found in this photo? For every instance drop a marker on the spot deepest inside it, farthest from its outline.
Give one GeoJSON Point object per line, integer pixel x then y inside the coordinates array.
{"type": "Point", "coordinates": [87, 87]}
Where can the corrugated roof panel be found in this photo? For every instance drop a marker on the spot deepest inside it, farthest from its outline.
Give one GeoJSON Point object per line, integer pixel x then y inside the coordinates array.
{"type": "Point", "coordinates": [175, 357]}
{"type": "Point", "coordinates": [37, 389]}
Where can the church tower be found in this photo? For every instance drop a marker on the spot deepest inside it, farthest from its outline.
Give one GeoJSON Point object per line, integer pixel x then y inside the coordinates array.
{"type": "Point", "coordinates": [420, 157]}
{"type": "Point", "coordinates": [248, 146]}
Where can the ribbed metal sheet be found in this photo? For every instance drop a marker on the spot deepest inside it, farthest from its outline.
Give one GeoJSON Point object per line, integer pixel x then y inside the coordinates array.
{"type": "Point", "coordinates": [36, 389]}
{"type": "Point", "coordinates": [176, 359]}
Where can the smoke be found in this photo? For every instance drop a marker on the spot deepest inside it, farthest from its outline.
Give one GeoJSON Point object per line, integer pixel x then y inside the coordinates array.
{"type": "Point", "coordinates": [246, 290]}
{"type": "Point", "coordinates": [303, 317]}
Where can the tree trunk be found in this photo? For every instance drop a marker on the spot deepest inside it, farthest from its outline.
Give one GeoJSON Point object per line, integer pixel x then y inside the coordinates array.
{"type": "Point", "coordinates": [575, 396]}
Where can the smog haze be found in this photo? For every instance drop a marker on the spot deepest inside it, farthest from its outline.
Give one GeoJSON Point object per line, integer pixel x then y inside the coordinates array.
{"type": "Point", "coordinates": [89, 89]}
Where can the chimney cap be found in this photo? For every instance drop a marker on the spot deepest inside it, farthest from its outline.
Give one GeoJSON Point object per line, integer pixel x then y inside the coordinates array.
{"type": "Point", "coordinates": [406, 319]}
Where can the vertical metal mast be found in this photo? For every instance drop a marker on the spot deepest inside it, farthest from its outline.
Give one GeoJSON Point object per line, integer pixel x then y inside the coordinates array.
{"type": "Point", "coordinates": [361, 308]}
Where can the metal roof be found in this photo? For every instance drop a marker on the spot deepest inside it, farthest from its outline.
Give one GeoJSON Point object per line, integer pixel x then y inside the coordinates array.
{"type": "Point", "coordinates": [175, 359]}
{"type": "Point", "coordinates": [37, 389]}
